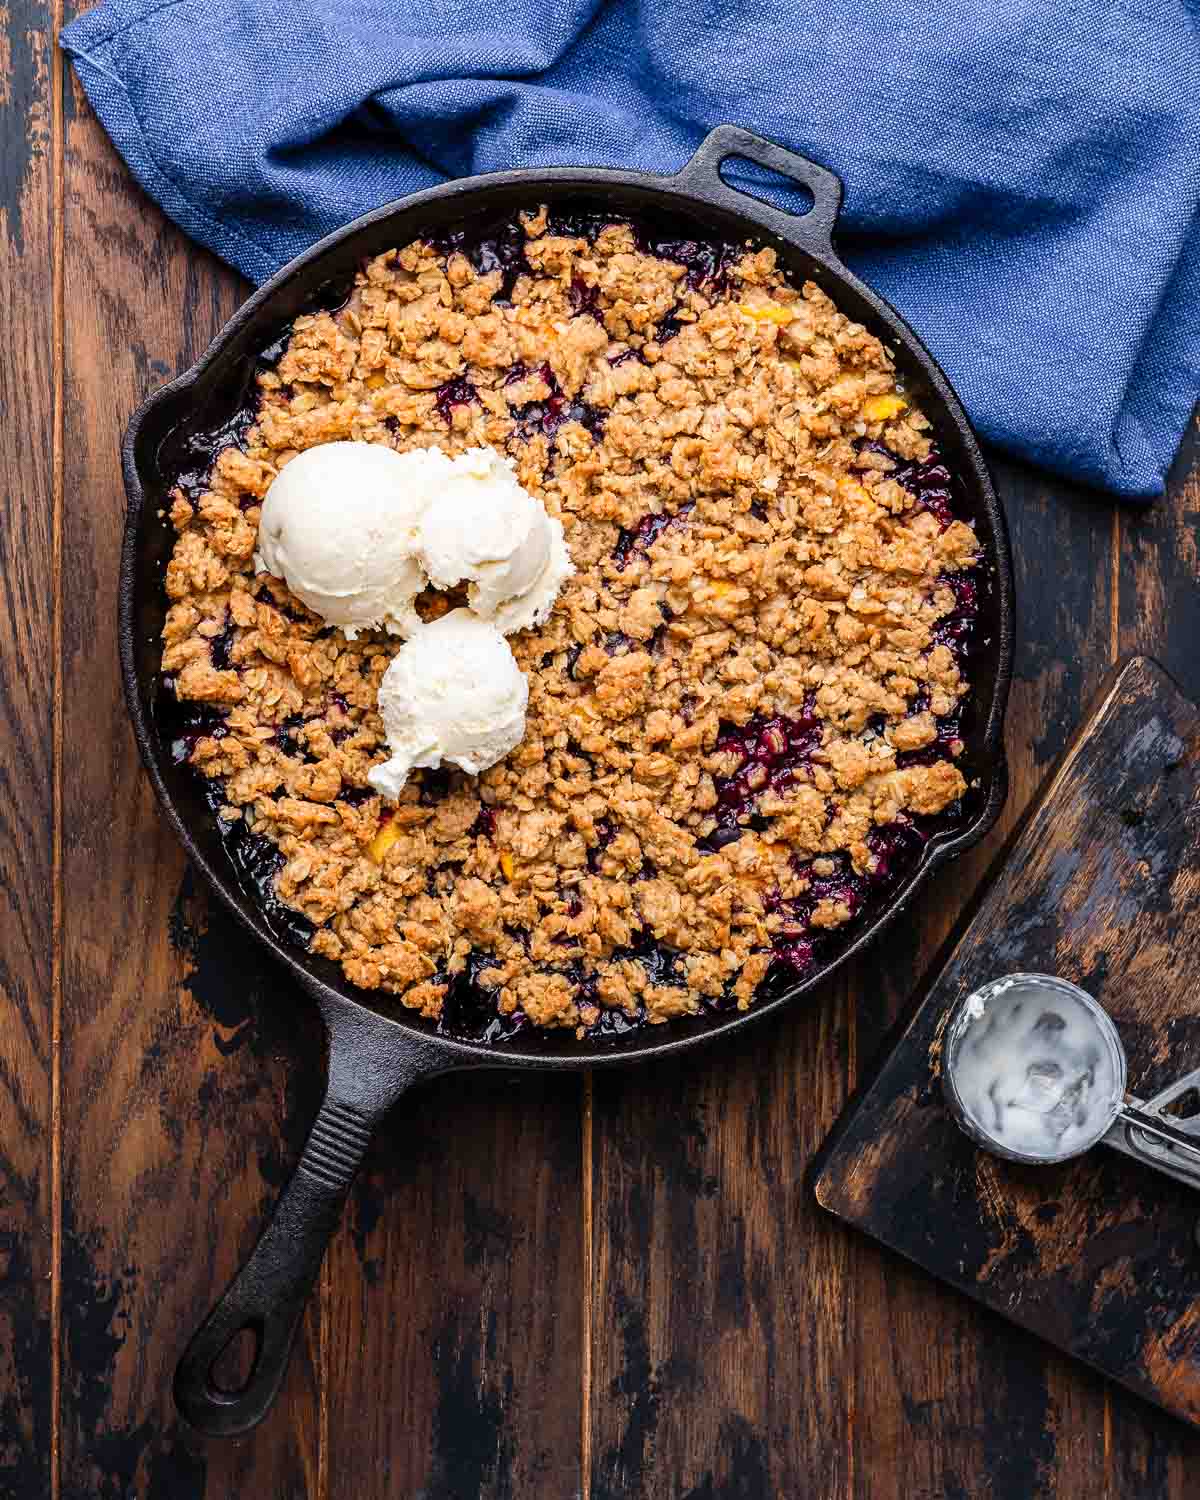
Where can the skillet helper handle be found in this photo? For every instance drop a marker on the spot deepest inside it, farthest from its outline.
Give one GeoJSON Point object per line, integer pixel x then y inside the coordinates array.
{"type": "Point", "coordinates": [368, 1070]}
{"type": "Point", "coordinates": [813, 231]}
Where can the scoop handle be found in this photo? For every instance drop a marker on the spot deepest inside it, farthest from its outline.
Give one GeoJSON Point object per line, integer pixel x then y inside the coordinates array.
{"type": "Point", "coordinates": [1175, 1152]}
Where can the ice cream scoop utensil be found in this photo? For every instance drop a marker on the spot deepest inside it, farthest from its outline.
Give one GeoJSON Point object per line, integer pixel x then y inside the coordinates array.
{"type": "Point", "coordinates": [994, 1032]}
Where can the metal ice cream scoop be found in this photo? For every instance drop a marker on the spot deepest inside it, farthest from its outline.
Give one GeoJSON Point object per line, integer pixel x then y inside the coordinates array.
{"type": "Point", "coordinates": [1033, 1070]}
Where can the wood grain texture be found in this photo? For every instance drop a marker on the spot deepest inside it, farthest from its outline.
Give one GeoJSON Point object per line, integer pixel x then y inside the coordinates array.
{"type": "Point", "coordinates": [1102, 887]}
{"type": "Point", "coordinates": [188, 1070]}
{"type": "Point", "coordinates": [721, 1358]}
{"type": "Point", "coordinates": [455, 1311]}
{"type": "Point", "coordinates": [27, 443]}
{"type": "Point", "coordinates": [1159, 572]}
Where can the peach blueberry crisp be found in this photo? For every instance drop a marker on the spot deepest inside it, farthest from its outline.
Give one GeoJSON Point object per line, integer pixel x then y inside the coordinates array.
{"type": "Point", "coordinates": [743, 717]}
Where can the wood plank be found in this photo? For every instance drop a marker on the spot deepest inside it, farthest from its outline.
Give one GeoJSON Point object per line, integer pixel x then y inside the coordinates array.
{"type": "Point", "coordinates": [720, 1353]}
{"type": "Point", "coordinates": [454, 1295]}
{"type": "Point", "coordinates": [1159, 612]}
{"type": "Point", "coordinates": [27, 442]}
{"type": "Point", "coordinates": [1159, 572]}
{"type": "Point", "coordinates": [978, 1409]}
{"type": "Point", "coordinates": [188, 1072]}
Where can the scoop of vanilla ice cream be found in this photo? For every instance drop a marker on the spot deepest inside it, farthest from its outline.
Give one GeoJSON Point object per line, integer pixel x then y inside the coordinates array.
{"type": "Point", "coordinates": [453, 692]}
{"type": "Point", "coordinates": [339, 526]}
{"type": "Point", "coordinates": [485, 530]}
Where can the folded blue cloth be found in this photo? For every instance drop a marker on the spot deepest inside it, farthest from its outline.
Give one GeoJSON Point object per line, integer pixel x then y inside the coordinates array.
{"type": "Point", "coordinates": [1022, 176]}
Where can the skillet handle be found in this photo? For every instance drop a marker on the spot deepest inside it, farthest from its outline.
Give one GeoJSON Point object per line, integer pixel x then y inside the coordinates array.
{"type": "Point", "coordinates": [371, 1064]}
{"type": "Point", "coordinates": [813, 230]}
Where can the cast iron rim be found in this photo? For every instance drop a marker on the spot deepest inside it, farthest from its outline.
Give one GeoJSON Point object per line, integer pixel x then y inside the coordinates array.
{"type": "Point", "coordinates": [764, 222]}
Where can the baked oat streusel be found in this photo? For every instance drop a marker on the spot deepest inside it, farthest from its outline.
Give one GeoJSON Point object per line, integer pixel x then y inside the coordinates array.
{"type": "Point", "coordinates": [743, 709]}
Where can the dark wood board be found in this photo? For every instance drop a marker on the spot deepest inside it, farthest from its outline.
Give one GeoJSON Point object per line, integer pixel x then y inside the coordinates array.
{"type": "Point", "coordinates": [1102, 886]}
{"type": "Point", "coordinates": [547, 1289]}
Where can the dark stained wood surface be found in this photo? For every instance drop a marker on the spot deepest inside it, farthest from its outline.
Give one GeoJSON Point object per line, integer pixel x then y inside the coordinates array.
{"type": "Point", "coordinates": [1101, 887]}
{"type": "Point", "coordinates": [29, 393]}
{"type": "Point", "coordinates": [186, 1069]}
{"type": "Point", "coordinates": [544, 1288]}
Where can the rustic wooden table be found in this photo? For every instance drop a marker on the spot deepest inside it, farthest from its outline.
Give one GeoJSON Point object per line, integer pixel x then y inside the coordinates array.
{"type": "Point", "coordinates": [544, 1288]}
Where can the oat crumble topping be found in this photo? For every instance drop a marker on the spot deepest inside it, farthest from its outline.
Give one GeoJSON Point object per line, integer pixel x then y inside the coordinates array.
{"type": "Point", "coordinates": [744, 702]}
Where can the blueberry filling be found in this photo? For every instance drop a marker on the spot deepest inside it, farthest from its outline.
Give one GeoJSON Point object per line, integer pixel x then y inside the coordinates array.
{"type": "Point", "coordinates": [605, 833]}
{"type": "Point", "coordinates": [614, 1022]}
{"type": "Point", "coordinates": [256, 862]}
{"type": "Point", "coordinates": [894, 851]}
{"type": "Point", "coordinates": [708, 262]}
{"type": "Point", "coordinates": [931, 485]}
{"type": "Point", "coordinates": [955, 629]}
{"type": "Point", "coordinates": [839, 885]}
{"type": "Point", "coordinates": [355, 796]}
{"type": "Point", "coordinates": [661, 963]}
{"type": "Point", "coordinates": [506, 254]}
{"type": "Point", "coordinates": [928, 481]}
{"type": "Point", "coordinates": [202, 724]}
{"type": "Point", "coordinates": [182, 724]}
{"type": "Point", "coordinates": [771, 752]}
{"type": "Point", "coordinates": [669, 327]}
{"type": "Point", "coordinates": [647, 531]}
{"type": "Point", "coordinates": [503, 251]}
{"type": "Point", "coordinates": [485, 824]}
{"type": "Point", "coordinates": [454, 393]}
{"type": "Point", "coordinates": [584, 298]}
{"type": "Point", "coordinates": [547, 416]}
{"type": "Point", "coordinates": [469, 1010]}
{"type": "Point", "coordinates": [287, 604]}
{"type": "Point", "coordinates": [946, 746]}
{"type": "Point", "coordinates": [193, 461]}
{"type": "Point", "coordinates": [434, 786]}
{"type": "Point", "coordinates": [285, 735]}
{"type": "Point", "coordinates": [579, 226]}
{"type": "Point", "coordinates": [269, 357]}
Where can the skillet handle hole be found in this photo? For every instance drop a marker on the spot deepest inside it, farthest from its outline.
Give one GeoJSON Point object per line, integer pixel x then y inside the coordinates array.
{"type": "Point", "coordinates": [776, 188]}
{"type": "Point", "coordinates": [233, 1368]}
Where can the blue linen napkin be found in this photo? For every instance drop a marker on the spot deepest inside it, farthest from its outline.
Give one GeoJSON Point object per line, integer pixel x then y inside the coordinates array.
{"type": "Point", "coordinates": [1023, 176]}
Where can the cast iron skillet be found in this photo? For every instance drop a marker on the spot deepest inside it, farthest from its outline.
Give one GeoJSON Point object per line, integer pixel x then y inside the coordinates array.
{"type": "Point", "coordinates": [374, 1056]}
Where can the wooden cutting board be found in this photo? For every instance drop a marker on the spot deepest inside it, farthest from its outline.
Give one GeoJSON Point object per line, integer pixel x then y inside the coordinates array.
{"type": "Point", "coordinates": [1101, 886]}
